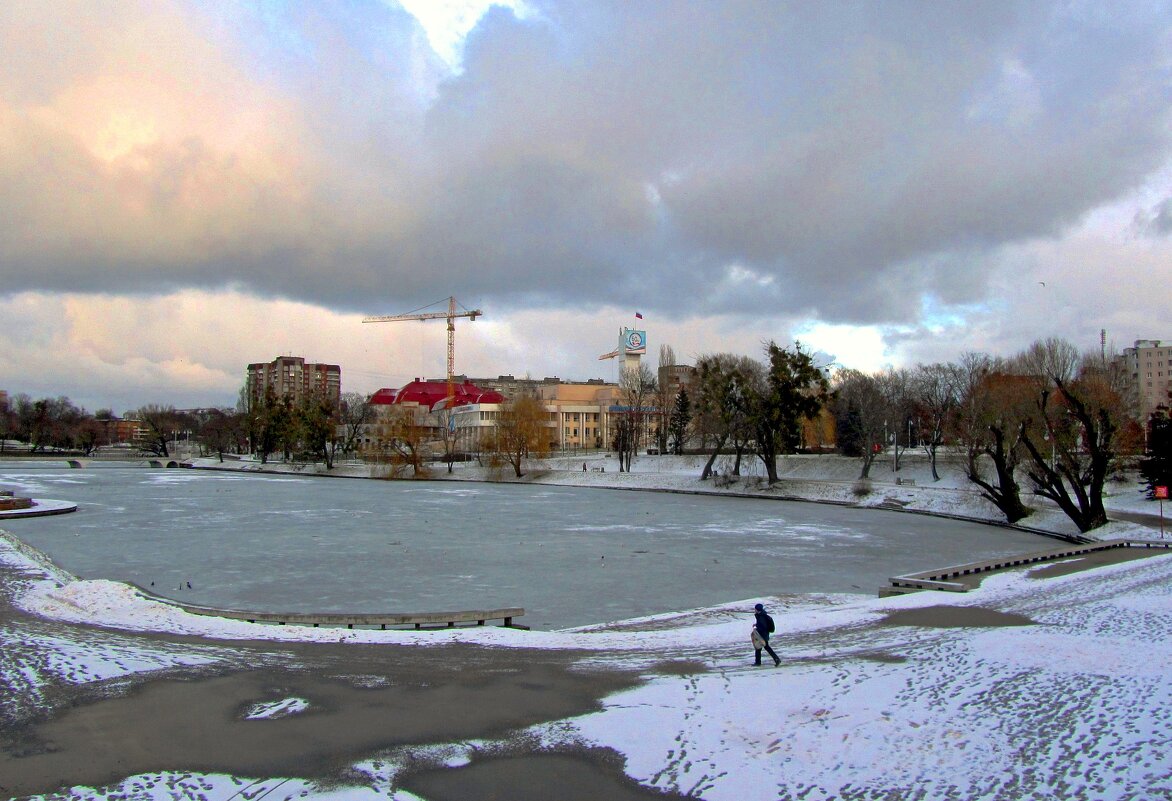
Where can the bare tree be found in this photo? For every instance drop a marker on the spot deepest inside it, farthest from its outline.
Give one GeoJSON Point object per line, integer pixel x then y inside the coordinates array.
{"type": "Point", "coordinates": [354, 413]}
{"type": "Point", "coordinates": [219, 431]}
{"type": "Point", "coordinates": [897, 391]}
{"type": "Point", "coordinates": [402, 438]}
{"type": "Point", "coordinates": [446, 429]}
{"type": "Point", "coordinates": [637, 388]}
{"type": "Point", "coordinates": [1080, 421]}
{"type": "Point", "coordinates": [994, 409]}
{"type": "Point", "coordinates": [860, 414]}
{"type": "Point", "coordinates": [161, 424]}
{"type": "Point", "coordinates": [1048, 360]}
{"type": "Point", "coordinates": [935, 391]}
{"type": "Point", "coordinates": [521, 432]}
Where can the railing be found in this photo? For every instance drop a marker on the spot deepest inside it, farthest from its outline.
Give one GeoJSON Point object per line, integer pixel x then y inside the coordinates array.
{"type": "Point", "coordinates": [337, 620]}
{"type": "Point", "coordinates": [939, 579]}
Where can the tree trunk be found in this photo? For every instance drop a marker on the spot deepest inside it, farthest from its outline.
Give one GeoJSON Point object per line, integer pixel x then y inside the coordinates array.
{"type": "Point", "coordinates": [868, 460]}
{"type": "Point", "coordinates": [1005, 494]}
{"type": "Point", "coordinates": [707, 474]}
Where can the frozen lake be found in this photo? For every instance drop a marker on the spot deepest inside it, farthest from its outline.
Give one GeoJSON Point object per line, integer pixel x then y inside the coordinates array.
{"type": "Point", "coordinates": [569, 556]}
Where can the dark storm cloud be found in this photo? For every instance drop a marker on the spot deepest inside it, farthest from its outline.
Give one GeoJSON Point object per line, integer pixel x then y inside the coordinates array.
{"type": "Point", "coordinates": [701, 158]}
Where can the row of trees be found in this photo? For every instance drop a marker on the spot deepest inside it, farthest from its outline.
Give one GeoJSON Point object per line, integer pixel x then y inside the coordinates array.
{"type": "Point", "coordinates": [1050, 418]}
{"type": "Point", "coordinates": [50, 423]}
{"type": "Point", "coordinates": [1050, 415]}
{"type": "Point", "coordinates": [754, 408]}
{"type": "Point", "coordinates": [404, 441]}
{"type": "Point", "coordinates": [313, 427]}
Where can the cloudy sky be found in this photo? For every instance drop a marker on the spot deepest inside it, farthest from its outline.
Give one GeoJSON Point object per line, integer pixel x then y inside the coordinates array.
{"type": "Point", "coordinates": [187, 187]}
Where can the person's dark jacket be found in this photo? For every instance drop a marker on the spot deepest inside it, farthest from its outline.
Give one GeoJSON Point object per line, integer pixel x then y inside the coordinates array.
{"type": "Point", "coordinates": [764, 625]}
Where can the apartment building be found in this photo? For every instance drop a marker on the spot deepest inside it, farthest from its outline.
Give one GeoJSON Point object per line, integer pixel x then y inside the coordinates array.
{"type": "Point", "coordinates": [1149, 363]}
{"type": "Point", "coordinates": [295, 377]}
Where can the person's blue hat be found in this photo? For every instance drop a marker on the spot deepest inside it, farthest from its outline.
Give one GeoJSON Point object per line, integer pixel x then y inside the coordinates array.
{"type": "Point", "coordinates": [759, 608]}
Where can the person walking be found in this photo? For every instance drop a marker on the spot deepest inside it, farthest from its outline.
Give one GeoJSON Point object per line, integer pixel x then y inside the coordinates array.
{"type": "Point", "coordinates": [764, 627]}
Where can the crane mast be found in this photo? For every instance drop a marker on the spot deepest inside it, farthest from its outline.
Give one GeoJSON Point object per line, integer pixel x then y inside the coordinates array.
{"type": "Point", "coordinates": [450, 315]}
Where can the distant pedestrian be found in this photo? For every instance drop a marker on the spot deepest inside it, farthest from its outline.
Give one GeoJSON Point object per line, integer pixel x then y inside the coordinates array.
{"type": "Point", "coordinates": [583, 467]}
{"type": "Point", "coordinates": [189, 585]}
{"type": "Point", "coordinates": [762, 628]}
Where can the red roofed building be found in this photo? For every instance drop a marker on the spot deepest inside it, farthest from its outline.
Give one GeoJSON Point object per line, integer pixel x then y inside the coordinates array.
{"type": "Point", "coordinates": [433, 395]}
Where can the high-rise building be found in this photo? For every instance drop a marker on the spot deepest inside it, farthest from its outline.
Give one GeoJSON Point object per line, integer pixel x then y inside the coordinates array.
{"type": "Point", "coordinates": [294, 377]}
{"type": "Point", "coordinates": [674, 377]}
{"type": "Point", "coordinates": [1149, 364]}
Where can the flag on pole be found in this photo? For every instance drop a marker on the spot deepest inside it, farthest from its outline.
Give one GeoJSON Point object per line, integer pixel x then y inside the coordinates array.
{"type": "Point", "coordinates": [638, 316]}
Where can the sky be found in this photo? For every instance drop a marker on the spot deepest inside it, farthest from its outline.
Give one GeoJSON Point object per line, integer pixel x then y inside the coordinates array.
{"type": "Point", "coordinates": [190, 187]}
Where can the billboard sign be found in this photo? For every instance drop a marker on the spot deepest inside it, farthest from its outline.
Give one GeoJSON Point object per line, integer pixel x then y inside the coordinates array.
{"type": "Point", "coordinates": [634, 341]}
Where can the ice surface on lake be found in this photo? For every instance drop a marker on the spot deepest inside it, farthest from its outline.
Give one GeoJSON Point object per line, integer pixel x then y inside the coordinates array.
{"type": "Point", "coordinates": [568, 556]}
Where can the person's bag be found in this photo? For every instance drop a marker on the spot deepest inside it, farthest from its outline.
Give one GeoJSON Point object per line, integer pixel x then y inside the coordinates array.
{"type": "Point", "coordinates": [756, 638]}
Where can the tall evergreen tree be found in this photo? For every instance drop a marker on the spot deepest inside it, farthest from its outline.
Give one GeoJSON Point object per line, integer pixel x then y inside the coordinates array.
{"type": "Point", "coordinates": [1156, 467]}
{"type": "Point", "coordinates": [681, 417]}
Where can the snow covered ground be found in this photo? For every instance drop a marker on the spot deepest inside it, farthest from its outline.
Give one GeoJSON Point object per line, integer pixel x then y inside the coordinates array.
{"type": "Point", "coordinates": [1067, 699]}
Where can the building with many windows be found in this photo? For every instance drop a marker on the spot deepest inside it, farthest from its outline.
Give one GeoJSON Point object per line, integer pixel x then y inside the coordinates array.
{"type": "Point", "coordinates": [1149, 363]}
{"type": "Point", "coordinates": [293, 376]}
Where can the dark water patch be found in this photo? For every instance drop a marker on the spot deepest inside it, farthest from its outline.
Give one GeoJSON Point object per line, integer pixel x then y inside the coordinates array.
{"type": "Point", "coordinates": [946, 617]}
{"type": "Point", "coordinates": [539, 777]}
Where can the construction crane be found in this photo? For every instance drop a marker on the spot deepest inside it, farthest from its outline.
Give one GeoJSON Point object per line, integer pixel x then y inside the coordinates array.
{"type": "Point", "coordinates": [450, 315]}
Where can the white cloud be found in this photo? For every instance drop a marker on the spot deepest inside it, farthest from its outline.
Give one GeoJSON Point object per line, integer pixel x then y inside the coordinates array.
{"type": "Point", "coordinates": [448, 22]}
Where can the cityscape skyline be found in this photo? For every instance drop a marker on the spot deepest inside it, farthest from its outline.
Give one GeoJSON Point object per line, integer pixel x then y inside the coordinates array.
{"type": "Point", "coordinates": [191, 189]}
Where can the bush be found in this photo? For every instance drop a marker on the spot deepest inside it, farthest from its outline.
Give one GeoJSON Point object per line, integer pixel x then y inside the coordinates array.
{"type": "Point", "coordinates": [861, 488]}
